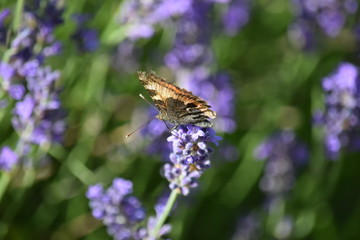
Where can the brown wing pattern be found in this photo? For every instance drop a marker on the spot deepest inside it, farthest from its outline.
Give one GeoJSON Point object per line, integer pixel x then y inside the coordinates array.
{"type": "Point", "coordinates": [160, 90]}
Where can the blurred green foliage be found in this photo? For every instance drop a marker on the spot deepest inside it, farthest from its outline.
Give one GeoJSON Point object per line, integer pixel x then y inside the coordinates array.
{"type": "Point", "coordinates": [277, 87]}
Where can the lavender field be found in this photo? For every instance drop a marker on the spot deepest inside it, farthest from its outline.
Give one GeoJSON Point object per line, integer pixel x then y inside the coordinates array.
{"type": "Point", "coordinates": [266, 145]}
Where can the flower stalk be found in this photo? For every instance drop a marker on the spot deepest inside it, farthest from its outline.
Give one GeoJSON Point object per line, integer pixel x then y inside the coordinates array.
{"type": "Point", "coordinates": [18, 15]}
{"type": "Point", "coordinates": [161, 220]}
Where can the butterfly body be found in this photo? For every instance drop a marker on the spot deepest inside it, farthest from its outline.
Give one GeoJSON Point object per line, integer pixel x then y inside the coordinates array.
{"type": "Point", "coordinates": [176, 105]}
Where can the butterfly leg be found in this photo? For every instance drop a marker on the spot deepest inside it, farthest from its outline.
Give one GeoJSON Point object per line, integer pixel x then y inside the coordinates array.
{"type": "Point", "coordinates": [173, 128]}
{"type": "Point", "coordinates": [170, 129]}
{"type": "Point", "coordinates": [166, 125]}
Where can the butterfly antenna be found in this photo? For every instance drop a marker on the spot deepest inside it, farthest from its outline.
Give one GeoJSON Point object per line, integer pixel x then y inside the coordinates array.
{"type": "Point", "coordinates": [142, 125]}
{"type": "Point", "coordinates": [148, 101]}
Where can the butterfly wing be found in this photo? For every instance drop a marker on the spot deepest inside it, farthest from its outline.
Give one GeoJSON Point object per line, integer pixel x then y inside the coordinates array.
{"type": "Point", "coordinates": [177, 102]}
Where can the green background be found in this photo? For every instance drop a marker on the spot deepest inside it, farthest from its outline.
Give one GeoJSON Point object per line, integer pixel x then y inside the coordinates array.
{"type": "Point", "coordinates": [277, 86]}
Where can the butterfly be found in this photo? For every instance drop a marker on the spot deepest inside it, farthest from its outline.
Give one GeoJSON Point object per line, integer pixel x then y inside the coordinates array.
{"type": "Point", "coordinates": [176, 105]}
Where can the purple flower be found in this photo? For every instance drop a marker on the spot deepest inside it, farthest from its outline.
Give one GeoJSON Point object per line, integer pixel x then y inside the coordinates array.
{"type": "Point", "coordinates": [330, 16]}
{"type": "Point", "coordinates": [302, 35]}
{"type": "Point", "coordinates": [6, 73]}
{"type": "Point", "coordinates": [139, 30]}
{"type": "Point", "coordinates": [24, 109]}
{"type": "Point", "coordinates": [341, 117]}
{"type": "Point", "coordinates": [236, 16]}
{"type": "Point", "coordinates": [4, 13]}
{"type": "Point", "coordinates": [139, 18]}
{"type": "Point", "coordinates": [52, 14]}
{"type": "Point", "coordinates": [156, 129]}
{"type": "Point", "coordinates": [248, 227]}
{"type": "Point", "coordinates": [190, 156]}
{"type": "Point", "coordinates": [165, 229]}
{"type": "Point", "coordinates": [161, 203]}
{"type": "Point", "coordinates": [37, 115]}
{"type": "Point", "coordinates": [191, 58]}
{"type": "Point", "coordinates": [87, 39]}
{"type": "Point", "coordinates": [17, 91]}
{"type": "Point", "coordinates": [118, 210]}
{"type": "Point", "coordinates": [168, 8]}
{"type": "Point", "coordinates": [126, 57]}
{"type": "Point", "coordinates": [8, 158]}
{"type": "Point", "coordinates": [121, 212]}
{"type": "Point", "coordinates": [331, 21]}
{"type": "Point", "coordinates": [283, 154]}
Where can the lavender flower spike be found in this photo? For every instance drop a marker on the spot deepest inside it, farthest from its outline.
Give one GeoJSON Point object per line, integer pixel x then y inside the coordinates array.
{"type": "Point", "coordinates": [190, 156]}
{"type": "Point", "coordinates": [189, 159]}
{"type": "Point", "coordinates": [283, 154]}
{"type": "Point", "coordinates": [37, 114]}
{"type": "Point", "coordinates": [341, 117]}
{"type": "Point", "coordinates": [117, 209]}
{"type": "Point", "coordinates": [121, 212]}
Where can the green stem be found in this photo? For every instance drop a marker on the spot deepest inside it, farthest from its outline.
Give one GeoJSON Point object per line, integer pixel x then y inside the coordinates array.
{"type": "Point", "coordinates": [18, 15]}
{"type": "Point", "coordinates": [4, 182]}
{"type": "Point", "coordinates": [16, 24]}
{"type": "Point", "coordinates": [165, 213]}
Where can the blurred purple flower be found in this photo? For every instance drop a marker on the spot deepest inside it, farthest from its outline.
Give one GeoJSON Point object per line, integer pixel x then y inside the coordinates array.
{"type": "Point", "coordinates": [87, 39]}
{"type": "Point", "coordinates": [29, 82]}
{"type": "Point", "coordinates": [24, 109]}
{"type": "Point", "coordinates": [341, 117]}
{"type": "Point", "coordinates": [190, 156]}
{"type": "Point", "coordinates": [6, 73]}
{"type": "Point", "coordinates": [191, 58]}
{"type": "Point", "coordinates": [302, 35]}
{"type": "Point", "coordinates": [283, 154]}
{"type": "Point", "coordinates": [4, 13]}
{"type": "Point", "coordinates": [140, 18]}
{"type": "Point", "coordinates": [8, 159]}
{"type": "Point", "coordinates": [168, 8]}
{"type": "Point", "coordinates": [228, 152]}
{"type": "Point", "coordinates": [220, 92]}
{"type": "Point", "coordinates": [156, 129]}
{"type": "Point", "coordinates": [50, 16]}
{"type": "Point", "coordinates": [137, 31]}
{"type": "Point", "coordinates": [330, 16]}
{"type": "Point", "coordinates": [126, 57]}
{"type": "Point", "coordinates": [284, 227]}
{"type": "Point", "coordinates": [17, 91]}
{"type": "Point", "coordinates": [248, 228]}
{"type": "Point", "coordinates": [331, 21]}
{"type": "Point", "coordinates": [161, 203]}
{"type": "Point", "coordinates": [120, 212]}
{"type": "Point", "coordinates": [236, 16]}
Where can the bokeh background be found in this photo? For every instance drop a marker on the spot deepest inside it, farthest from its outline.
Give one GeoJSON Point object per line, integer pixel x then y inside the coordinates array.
{"type": "Point", "coordinates": [282, 76]}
